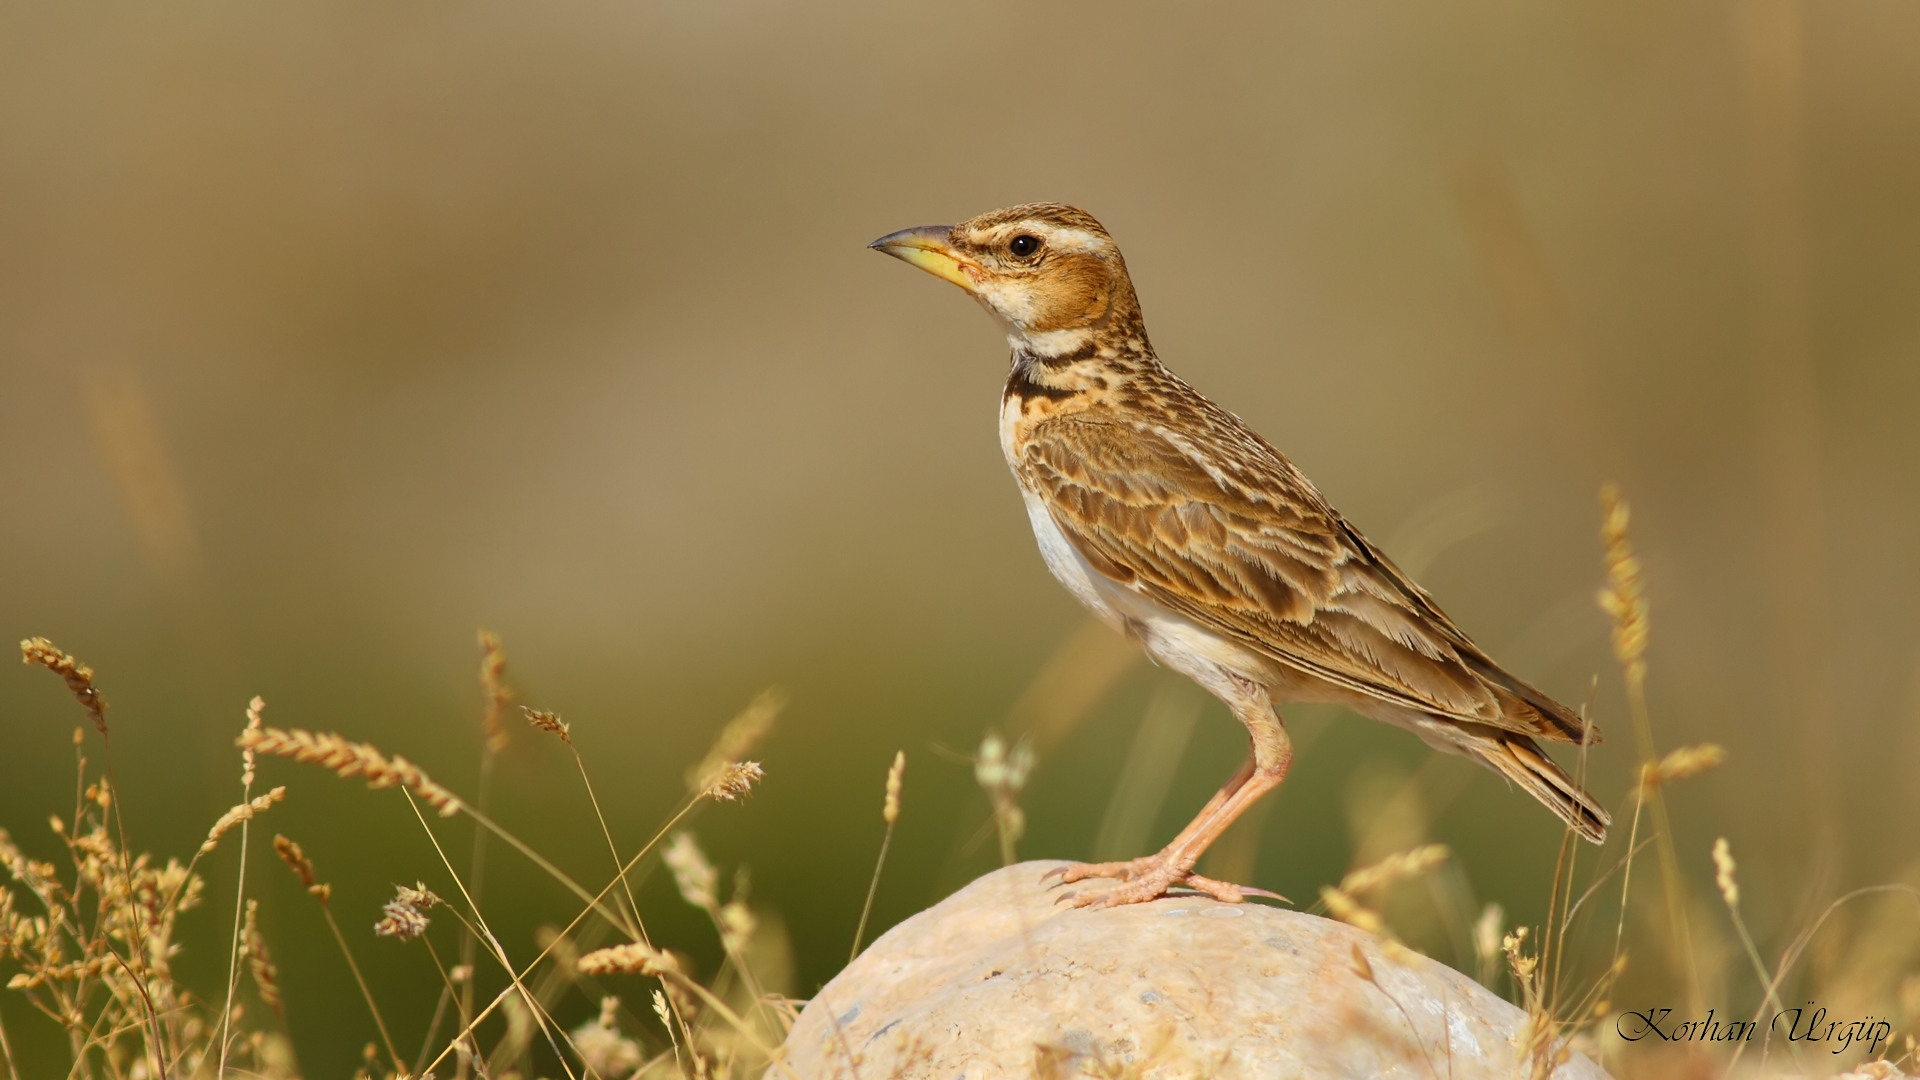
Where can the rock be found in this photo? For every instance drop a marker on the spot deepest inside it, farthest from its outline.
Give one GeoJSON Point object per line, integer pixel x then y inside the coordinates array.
{"type": "Point", "coordinates": [996, 981]}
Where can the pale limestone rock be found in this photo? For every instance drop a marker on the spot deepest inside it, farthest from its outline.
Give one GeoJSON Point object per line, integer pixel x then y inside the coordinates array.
{"type": "Point", "coordinates": [996, 982]}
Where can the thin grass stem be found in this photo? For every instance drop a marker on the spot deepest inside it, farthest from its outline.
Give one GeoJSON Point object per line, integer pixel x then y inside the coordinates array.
{"type": "Point", "coordinates": [133, 909]}
{"type": "Point", "coordinates": [1791, 955]}
{"type": "Point", "coordinates": [873, 889]}
{"type": "Point", "coordinates": [447, 993]}
{"type": "Point", "coordinates": [634, 929]}
{"type": "Point", "coordinates": [239, 905]}
{"type": "Point", "coordinates": [360, 980]}
{"type": "Point", "coordinates": [493, 943]}
{"type": "Point", "coordinates": [592, 906]}
{"type": "Point", "coordinates": [6, 1052]}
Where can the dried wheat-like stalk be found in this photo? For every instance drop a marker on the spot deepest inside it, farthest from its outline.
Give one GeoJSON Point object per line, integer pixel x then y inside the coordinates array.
{"type": "Point", "coordinates": [889, 813]}
{"type": "Point", "coordinates": [890, 809]}
{"type": "Point", "coordinates": [693, 875]}
{"type": "Point", "coordinates": [245, 811]}
{"type": "Point", "coordinates": [1343, 906]}
{"type": "Point", "coordinates": [290, 853]}
{"type": "Point", "coordinates": [737, 923]}
{"type": "Point", "coordinates": [348, 758]}
{"type": "Point", "coordinates": [1723, 867]}
{"type": "Point", "coordinates": [254, 710]}
{"type": "Point", "coordinates": [493, 666]}
{"type": "Point", "coordinates": [1343, 900]}
{"type": "Point", "coordinates": [78, 676]}
{"type": "Point", "coordinates": [1393, 868]}
{"type": "Point", "coordinates": [1487, 931]}
{"type": "Point", "coordinates": [1623, 598]}
{"type": "Point", "coordinates": [742, 735]}
{"type": "Point", "coordinates": [253, 949]}
{"type": "Point", "coordinates": [629, 959]}
{"type": "Point", "coordinates": [1681, 764]}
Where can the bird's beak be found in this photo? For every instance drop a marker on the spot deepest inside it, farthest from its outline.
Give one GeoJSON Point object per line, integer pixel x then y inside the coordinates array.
{"type": "Point", "coordinates": [927, 248]}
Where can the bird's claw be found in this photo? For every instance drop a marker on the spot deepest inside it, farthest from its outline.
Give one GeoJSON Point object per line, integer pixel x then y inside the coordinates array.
{"type": "Point", "coordinates": [1068, 873]}
{"type": "Point", "coordinates": [1145, 879]}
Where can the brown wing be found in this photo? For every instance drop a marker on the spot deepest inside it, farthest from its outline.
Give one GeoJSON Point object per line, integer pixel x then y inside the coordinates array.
{"type": "Point", "coordinates": [1210, 521]}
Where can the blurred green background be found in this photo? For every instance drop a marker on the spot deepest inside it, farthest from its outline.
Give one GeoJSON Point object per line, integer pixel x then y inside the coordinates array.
{"type": "Point", "coordinates": [331, 331]}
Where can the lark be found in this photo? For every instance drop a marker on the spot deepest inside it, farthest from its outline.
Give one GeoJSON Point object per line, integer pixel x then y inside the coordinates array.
{"type": "Point", "coordinates": [1178, 526]}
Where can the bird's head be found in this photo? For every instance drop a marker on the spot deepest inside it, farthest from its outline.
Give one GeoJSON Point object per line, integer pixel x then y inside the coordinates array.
{"type": "Point", "coordinates": [1048, 272]}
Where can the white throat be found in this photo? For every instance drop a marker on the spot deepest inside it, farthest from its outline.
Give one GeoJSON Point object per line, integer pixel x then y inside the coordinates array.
{"type": "Point", "coordinates": [1048, 343]}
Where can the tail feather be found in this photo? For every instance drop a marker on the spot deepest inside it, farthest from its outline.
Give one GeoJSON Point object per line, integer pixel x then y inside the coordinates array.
{"type": "Point", "coordinates": [1521, 760]}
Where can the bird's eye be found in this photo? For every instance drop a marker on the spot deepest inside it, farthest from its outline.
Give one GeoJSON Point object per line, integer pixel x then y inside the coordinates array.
{"type": "Point", "coordinates": [1023, 245]}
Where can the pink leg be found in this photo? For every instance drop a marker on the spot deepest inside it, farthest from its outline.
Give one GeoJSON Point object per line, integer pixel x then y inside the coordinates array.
{"type": "Point", "coordinates": [1146, 878]}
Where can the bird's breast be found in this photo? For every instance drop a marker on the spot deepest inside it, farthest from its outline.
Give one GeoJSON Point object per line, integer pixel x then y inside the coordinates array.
{"type": "Point", "coordinates": [1069, 567]}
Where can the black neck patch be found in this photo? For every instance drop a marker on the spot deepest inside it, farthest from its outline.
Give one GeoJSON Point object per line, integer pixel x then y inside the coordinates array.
{"type": "Point", "coordinates": [1021, 383]}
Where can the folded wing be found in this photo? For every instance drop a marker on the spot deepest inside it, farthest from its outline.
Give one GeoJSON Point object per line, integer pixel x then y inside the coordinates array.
{"type": "Point", "coordinates": [1213, 523]}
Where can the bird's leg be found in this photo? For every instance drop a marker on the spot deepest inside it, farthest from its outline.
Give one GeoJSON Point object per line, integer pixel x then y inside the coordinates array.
{"type": "Point", "coordinates": [1126, 869]}
{"type": "Point", "coordinates": [1145, 879]}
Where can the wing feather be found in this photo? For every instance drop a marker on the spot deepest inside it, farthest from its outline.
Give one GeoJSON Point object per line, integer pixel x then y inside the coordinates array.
{"type": "Point", "coordinates": [1222, 529]}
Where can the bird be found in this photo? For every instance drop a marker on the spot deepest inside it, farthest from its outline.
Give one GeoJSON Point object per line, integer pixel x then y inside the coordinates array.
{"type": "Point", "coordinates": [1177, 525]}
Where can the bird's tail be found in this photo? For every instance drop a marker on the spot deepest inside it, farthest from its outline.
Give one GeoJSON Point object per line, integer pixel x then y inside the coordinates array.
{"type": "Point", "coordinates": [1520, 759]}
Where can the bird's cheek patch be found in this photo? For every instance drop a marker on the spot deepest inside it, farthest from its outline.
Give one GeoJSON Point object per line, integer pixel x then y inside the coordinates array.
{"type": "Point", "coordinates": [1076, 292]}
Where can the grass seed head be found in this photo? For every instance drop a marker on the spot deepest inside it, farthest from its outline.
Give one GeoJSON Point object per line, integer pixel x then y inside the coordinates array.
{"type": "Point", "coordinates": [493, 686]}
{"type": "Point", "coordinates": [1341, 905]}
{"type": "Point", "coordinates": [1486, 933]}
{"type": "Point", "coordinates": [246, 811]}
{"type": "Point", "coordinates": [254, 709]}
{"type": "Point", "coordinates": [78, 676]}
{"type": "Point", "coordinates": [347, 758]}
{"type": "Point", "coordinates": [549, 722]}
{"type": "Point", "coordinates": [1405, 864]}
{"type": "Point", "coordinates": [1723, 868]}
{"type": "Point", "coordinates": [290, 853]}
{"type": "Point", "coordinates": [1514, 945]}
{"type": "Point", "coordinates": [890, 810]}
{"type": "Point", "coordinates": [253, 949]}
{"type": "Point", "coordinates": [1622, 598]}
{"type": "Point", "coordinates": [998, 769]}
{"type": "Point", "coordinates": [735, 782]}
{"type": "Point", "coordinates": [400, 921]}
{"type": "Point", "coordinates": [737, 923]}
{"type": "Point", "coordinates": [605, 1051]}
{"type": "Point", "coordinates": [740, 738]}
{"type": "Point", "coordinates": [695, 877]}
{"type": "Point", "coordinates": [1681, 764]}
{"type": "Point", "coordinates": [633, 958]}
{"type": "Point", "coordinates": [405, 916]}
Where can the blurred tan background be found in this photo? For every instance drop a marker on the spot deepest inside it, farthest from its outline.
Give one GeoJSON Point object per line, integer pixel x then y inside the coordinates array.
{"type": "Point", "coordinates": [329, 332]}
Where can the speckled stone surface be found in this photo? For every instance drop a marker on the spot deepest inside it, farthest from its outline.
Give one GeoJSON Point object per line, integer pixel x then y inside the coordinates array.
{"type": "Point", "coordinates": [996, 981]}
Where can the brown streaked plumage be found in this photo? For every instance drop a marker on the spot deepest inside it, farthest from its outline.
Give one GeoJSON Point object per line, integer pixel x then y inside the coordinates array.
{"type": "Point", "coordinates": [1178, 526]}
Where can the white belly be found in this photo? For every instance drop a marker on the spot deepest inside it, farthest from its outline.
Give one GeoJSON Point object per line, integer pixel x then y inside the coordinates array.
{"type": "Point", "coordinates": [1174, 640]}
{"type": "Point", "coordinates": [1086, 584]}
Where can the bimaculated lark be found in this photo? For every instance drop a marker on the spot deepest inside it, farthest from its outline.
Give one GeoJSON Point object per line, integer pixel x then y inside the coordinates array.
{"type": "Point", "coordinates": [1182, 529]}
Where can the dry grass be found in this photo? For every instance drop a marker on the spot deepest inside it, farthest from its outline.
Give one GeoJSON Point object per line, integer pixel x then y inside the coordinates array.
{"type": "Point", "coordinates": [92, 941]}
{"type": "Point", "coordinates": [93, 944]}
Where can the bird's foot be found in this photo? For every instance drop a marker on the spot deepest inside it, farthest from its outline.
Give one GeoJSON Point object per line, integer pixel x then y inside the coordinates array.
{"type": "Point", "coordinates": [1068, 873]}
{"type": "Point", "coordinates": [1146, 879]}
